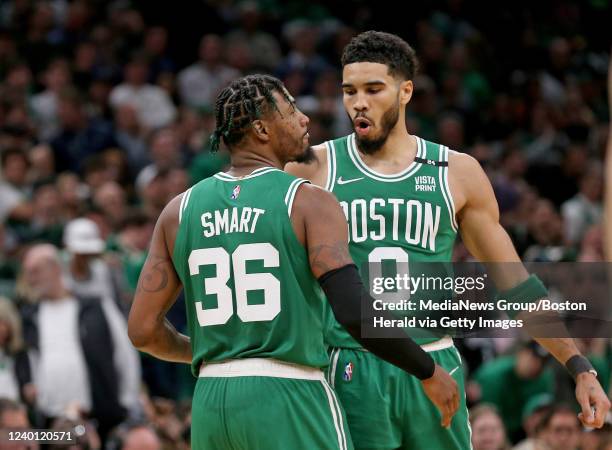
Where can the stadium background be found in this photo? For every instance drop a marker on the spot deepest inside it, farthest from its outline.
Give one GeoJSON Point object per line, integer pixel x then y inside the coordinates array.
{"type": "Point", "coordinates": [106, 108]}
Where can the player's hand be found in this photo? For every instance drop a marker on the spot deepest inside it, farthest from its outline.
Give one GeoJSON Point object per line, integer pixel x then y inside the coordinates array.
{"type": "Point", "coordinates": [443, 392]}
{"type": "Point", "coordinates": [589, 394]}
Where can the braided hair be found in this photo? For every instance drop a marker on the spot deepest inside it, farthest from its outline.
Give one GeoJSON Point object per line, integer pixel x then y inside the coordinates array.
{"type": "Point", "coordinates": [242, 102]}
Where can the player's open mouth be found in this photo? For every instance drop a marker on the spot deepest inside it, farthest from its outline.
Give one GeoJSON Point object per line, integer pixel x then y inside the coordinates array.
{"type": "Point", "coordinates": [362, 126]}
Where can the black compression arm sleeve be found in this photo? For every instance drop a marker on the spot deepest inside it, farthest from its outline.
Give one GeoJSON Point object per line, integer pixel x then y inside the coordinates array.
{"type": "Point", "coordinates": [354, 309]}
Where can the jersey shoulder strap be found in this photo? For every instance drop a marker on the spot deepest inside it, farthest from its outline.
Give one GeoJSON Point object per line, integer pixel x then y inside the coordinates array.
{"type": "Point", "coordinates": [291, 191]}
{"type": "Point", "coordinates": [184, 202]}
{"type": "Point", "coordinates": [445, 185]}
{"type": "Point", "coordinates": [434, 155]}
{"type": "Point", "coordinates": [335, 148]}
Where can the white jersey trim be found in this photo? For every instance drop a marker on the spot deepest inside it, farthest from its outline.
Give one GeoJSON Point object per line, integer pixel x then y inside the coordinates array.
{"type": "Point", "coordinates": [257, 172]}
{"type": "Point", "coordinates": [446, 193]}
{"type": "Point", "coordinates": [291, 191]}
{"type": "Point", "coordinates": [362, 166]}
{"type": "Point", "coordinates": [336, 415]}
{"type": "Point", "coordinates": [335, 354]}
{"type": "Point", "coordinates": [331, 166]}
{"type": "Point", "coordinates": [184, 201]}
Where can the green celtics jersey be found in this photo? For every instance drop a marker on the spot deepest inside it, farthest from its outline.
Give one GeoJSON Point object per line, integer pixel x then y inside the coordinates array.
{"type": "Point", "coordinates": [405, 218]}
{"type": "Point", "coordinates": [248, 286]}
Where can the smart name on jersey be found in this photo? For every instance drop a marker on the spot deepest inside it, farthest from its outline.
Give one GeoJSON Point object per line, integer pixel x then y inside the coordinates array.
{"type": "Point", "coordinates": [230, 220]}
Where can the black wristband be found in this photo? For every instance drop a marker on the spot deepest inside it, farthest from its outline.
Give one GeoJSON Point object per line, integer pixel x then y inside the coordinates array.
{"type": "Point", "coordinates": [578, 364]}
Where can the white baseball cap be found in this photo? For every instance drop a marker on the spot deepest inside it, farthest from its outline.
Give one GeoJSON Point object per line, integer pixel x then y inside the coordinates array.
{"type": "Point", "coordinates": [82, 236]}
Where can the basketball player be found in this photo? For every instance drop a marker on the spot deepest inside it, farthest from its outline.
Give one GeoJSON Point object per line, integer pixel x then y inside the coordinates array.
{"type": "Point", "coordinates": [405, 199]}
{"type": "Point", "coordinates": [252, 249]}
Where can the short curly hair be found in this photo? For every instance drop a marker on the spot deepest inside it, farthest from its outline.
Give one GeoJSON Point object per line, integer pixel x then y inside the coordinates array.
{"type": "Point", "coordinates": [383, 48]}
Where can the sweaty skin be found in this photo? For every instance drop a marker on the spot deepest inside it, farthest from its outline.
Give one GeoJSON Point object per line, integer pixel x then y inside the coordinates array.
{"type": "Point", "coordinates": [369, 90]}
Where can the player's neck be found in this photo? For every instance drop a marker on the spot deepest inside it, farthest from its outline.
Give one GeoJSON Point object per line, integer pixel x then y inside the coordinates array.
{"type": "Point", "coordinates": [245, 162]}
{"type": "Point", "coordinates": [399, 149]}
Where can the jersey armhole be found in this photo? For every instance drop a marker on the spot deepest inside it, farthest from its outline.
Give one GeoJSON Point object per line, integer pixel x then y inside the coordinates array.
{"type": "Point", "coordinates": [331, 166]}
{"type": "Point", "coordinates": [291, 191]}
{"type": "Point", "coordinates": [445, 187]}
{"type": "Point", "coordinates": [184, 202]}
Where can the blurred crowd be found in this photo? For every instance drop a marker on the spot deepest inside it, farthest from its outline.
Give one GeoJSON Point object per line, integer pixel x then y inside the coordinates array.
{"type": "Point", "coordinates": [105, 113]}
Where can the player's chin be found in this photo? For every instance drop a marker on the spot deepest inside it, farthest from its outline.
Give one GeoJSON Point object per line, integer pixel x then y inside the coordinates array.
{"type": "Point", "coordinates": [306, 156]}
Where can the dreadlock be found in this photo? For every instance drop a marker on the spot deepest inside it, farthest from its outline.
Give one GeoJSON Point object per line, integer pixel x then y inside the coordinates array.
{"type": "Point", "coordinates": [242, 102]}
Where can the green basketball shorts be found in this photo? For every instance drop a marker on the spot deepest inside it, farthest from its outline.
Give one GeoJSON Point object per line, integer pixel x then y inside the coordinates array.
{"type": "Point", "coordinates": [387, 408]}
{"type": "Point", "coordinates": [266, 404]}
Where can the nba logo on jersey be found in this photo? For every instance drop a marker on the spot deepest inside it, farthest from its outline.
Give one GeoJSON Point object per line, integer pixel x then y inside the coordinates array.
{"type": "Point", "coordinates": [348, 372]}
{"type": "Point", "coordinates": [235, 192]}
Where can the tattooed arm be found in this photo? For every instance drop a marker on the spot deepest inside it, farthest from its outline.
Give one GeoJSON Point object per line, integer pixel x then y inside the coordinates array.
{"type": "Point", "coordinates": [321, 227]}
{"type": "Point", "coordinates": [158, 287]}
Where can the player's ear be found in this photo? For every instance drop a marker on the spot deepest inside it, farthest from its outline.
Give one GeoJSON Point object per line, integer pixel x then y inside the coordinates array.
{"type": "Point", "coordinates": [405, 91]}
{"type": "Point", "coordinates": [261, 130]}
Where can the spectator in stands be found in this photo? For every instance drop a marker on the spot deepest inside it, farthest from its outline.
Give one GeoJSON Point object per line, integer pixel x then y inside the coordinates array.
{"type": "Point", "coordinates": [553, 78]}
{"type": "Point", "coordinates": [152, 190]}
{"type": "Point", "coordinates": [585, 208]}
{"type": "Point", "coordinates": [262, 46]}
{"type": "Point", "coordinates": [561, 428]}
{"type": "Point", "coordinates": [81, 362]}
{"type": "Point", "coordinates": [596, 439]}
{"type": "Point", "coordinates": [15, 372]}
{"type": "Point", "coordinates": [592, 248]}
{"type": "Point", "coordinates": [111, 200]}
{"type": "Point", "coordinates": [19, 81]}
{"type": "Point", "coordinates": [85, 439]}
{"type": "Point", "coordinates": [87, 274]}
{"type": "Point", "coordinates": [527, 375]}
{"type": "Point", "coordinates": [545, 229]}
{"type": "Point", "coordinates": [42, 163]}
{"type": "Point", "coordinates": [153, 106]}
{"type": "Point", "coordinates": [44, 104]}
{"type": "Point", "coordinates": [13, 416]}
{"type": "Point", "coordinates": [533, 414]}
{"type": "Point", "coordinates": [79, 137]}
{"type": "Point", "coordinates": [200, 83]}
{"type": "Point", "coordinates": [131, 246]}
{"type": "Point", "coordinates": [130, 136]}
{"type": "Point", "coordinates": [72, 193]}
{"type": "Point", "coordinates": [96, 172]}
{"type": "Point", "coordinates": [13, 186]}
{"type": "Point", "coordinates": [155, 48]}
{"type": "Point", "coordinates": [325, 105]}
{"type": "Point", "coordinates": [117, 163]}
{"type": "Point", "coordinates": [84, 64]}
{"type": "Point", "coordinates": [47, 219]}
{"type": "Point", "coordinates": [165, 149]}
{"type": "Point", "coordinates": [141, 438]}
{"type": "Point", "coordinates": [302, 59]}
{"type": "Point", "coordinates": [166, 154]}
{"type": "Point", "coordinates": [136, 437]}
{"type": "Point", "coordinates": [488, 431]}
{"type": "Point", "coordinates": [177, 182]}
